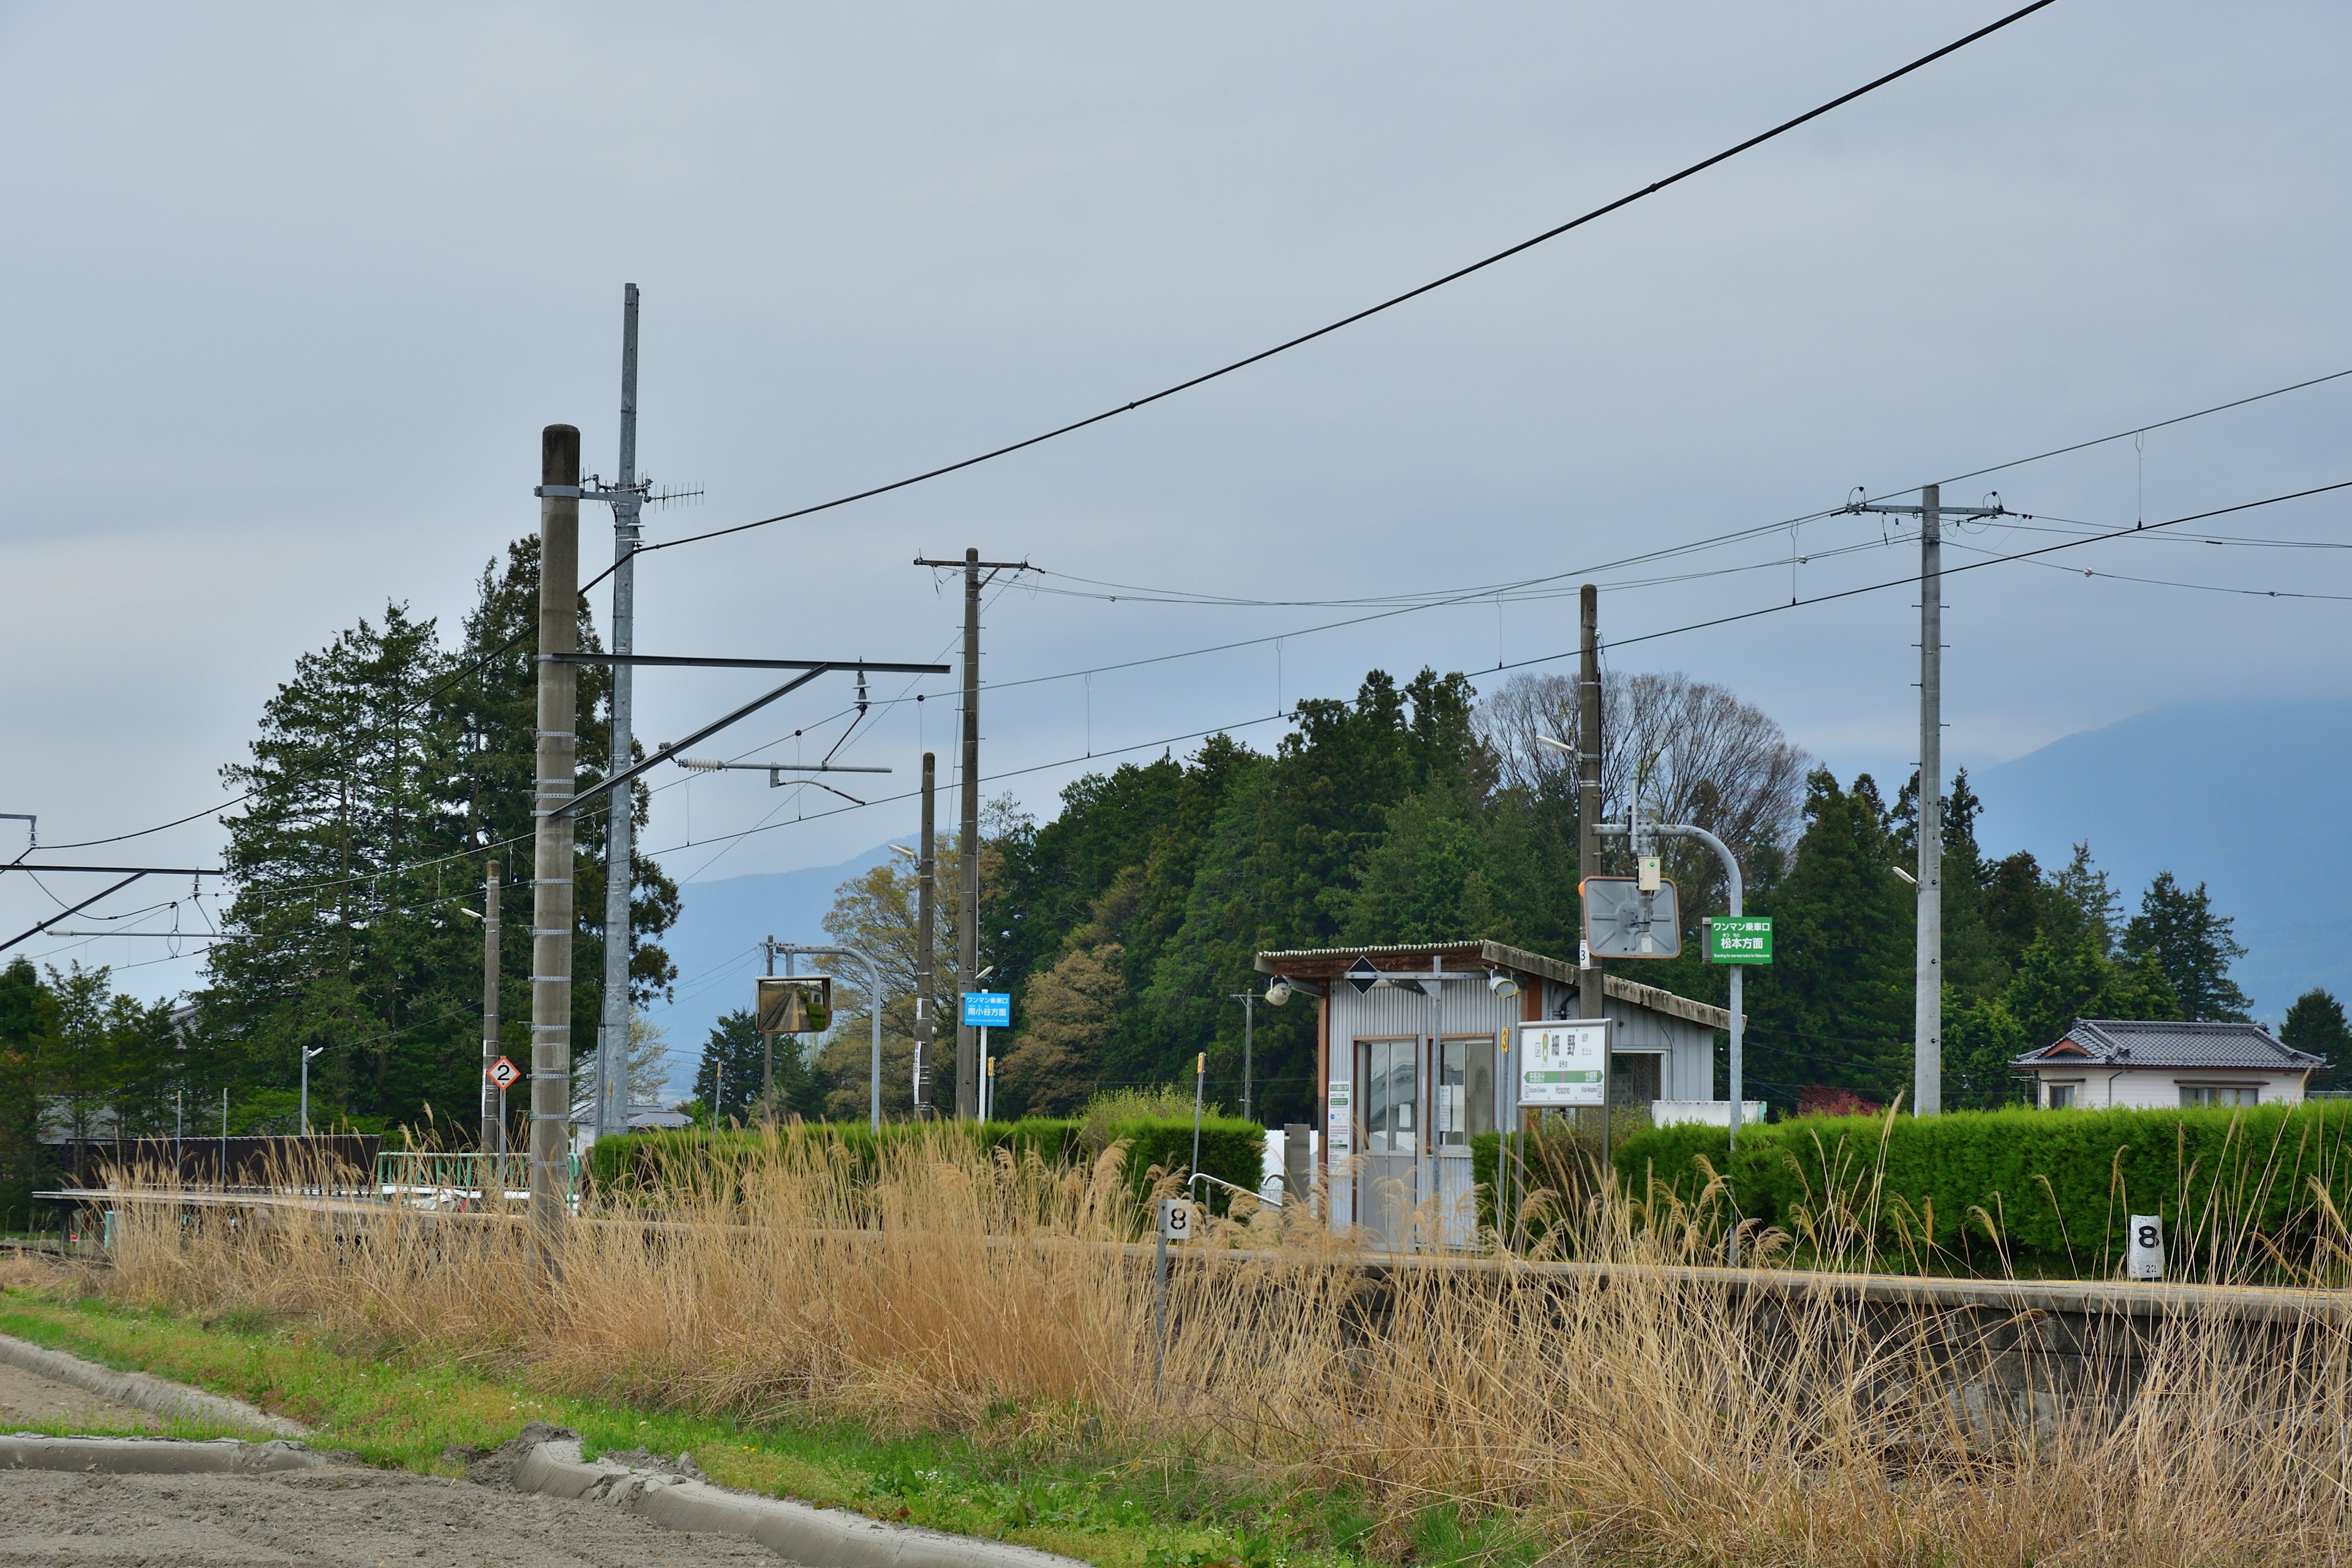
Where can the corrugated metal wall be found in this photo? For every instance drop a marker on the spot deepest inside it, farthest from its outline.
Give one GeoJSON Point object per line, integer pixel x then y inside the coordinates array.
{"type": "Point", "coordinates": [1467, 1006]}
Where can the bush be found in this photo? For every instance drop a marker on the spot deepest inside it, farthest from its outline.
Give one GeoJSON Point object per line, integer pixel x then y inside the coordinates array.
{"type": "Point", "coordinates": [1231, 1150]}
{"type": "Point", "coordinates": [2039, 1191]}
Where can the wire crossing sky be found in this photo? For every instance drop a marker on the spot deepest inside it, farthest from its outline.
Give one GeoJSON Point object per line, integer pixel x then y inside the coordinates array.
{"type": "Point", "coordinates": [397, 244]}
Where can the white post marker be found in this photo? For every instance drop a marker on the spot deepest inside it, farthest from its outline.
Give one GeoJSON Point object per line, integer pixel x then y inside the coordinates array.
{"type": "Point", "coordinates": [2144, 1258]}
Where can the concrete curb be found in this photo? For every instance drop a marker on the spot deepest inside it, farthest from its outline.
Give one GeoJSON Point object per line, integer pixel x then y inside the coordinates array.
{"type": "Point", "coordinates": [157, 1396]}
{"type": "Point", "coordinates": [812, 1537]}
{"type": "Point", "coordinates": [154, 1455]}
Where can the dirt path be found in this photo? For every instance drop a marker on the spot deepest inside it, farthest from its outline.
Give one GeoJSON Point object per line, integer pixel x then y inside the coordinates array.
{"type": "Point", "coordinates": [27, 1398]}
{"type": "Point", "coordinates": [351, 1517]}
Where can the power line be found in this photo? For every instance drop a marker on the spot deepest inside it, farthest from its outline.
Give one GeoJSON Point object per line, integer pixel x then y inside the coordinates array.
{"type": "Point", "coordinates": [1391, 303]}
{"type": "Point", "coordinates": [1903, 582]}
{"type": "Point", "coordinates": [2144, 429]}
{"type": "Point", "coordinates": [1949, 572]}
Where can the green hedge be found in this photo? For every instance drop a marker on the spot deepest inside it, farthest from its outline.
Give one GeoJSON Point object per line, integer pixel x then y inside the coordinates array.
{"type": "Point", "coordinates": [1231, 1149]}
{"type": "Point", "coordinates": [2053, 1186]}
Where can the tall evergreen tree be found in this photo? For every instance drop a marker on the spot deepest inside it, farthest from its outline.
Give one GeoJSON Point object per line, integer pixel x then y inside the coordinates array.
{"type": "Point", "coordinates": [1835, 1006]}
{"type": "Point", "coordinates": [2316, 1023]}
{"type": "Point", "coordinates": [386, 771]}
{"type": "Point", "coordinates": [2193, 946]}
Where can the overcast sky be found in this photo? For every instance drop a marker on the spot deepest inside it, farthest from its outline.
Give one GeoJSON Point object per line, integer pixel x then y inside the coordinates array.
{"type": "Point", "coordinates": [295, 288]}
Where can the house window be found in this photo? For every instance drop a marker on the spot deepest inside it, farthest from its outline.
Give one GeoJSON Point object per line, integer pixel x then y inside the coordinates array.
{"type": "Point", "coordinates": [2220, 1094]}
{"type": "Point", "coordinates": [2060, 1096]}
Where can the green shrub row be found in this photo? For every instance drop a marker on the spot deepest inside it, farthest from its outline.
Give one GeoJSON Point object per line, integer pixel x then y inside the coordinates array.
{"type": "Point", "coordinates": [2046, 1191]}
{"type": "Point", "coordinates": [1232, 1149]}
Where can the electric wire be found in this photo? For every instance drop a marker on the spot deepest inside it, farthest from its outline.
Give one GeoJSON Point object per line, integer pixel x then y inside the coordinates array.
{"type": "Point", "coordinates": [1391, 303]}
{"type": "Point", "coordinates": [1910, 580]}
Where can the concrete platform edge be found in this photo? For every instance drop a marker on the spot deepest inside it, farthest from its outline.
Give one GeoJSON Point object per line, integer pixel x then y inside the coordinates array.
{"type": "Point", "coordinates": [813, 1537]}
{"type": "Point", "coordinates": [154, 1456]}
{"type": "Point", "coordinates": [156, 1395]}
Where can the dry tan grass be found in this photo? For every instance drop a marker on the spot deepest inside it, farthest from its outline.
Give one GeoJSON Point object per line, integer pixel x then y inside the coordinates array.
{"type": "Point", "coordinates": [1642, 1414]}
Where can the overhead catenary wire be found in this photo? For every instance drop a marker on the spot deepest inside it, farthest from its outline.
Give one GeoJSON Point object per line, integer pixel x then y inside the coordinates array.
{"type": "Point", "coordinates": [1907, 581]}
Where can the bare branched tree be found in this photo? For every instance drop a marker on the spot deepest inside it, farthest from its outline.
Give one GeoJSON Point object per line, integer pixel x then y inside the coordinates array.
{"type": "Point", "coordinates": [1702, 756]}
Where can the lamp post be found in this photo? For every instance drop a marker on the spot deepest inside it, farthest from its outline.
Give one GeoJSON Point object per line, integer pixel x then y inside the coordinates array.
{"type": "Point", "coordinates": [307, 1052]}
{"type": "Point", "coordinates": [1248, 999]}
{"type": "Point", "coordinates": [1738, 973]}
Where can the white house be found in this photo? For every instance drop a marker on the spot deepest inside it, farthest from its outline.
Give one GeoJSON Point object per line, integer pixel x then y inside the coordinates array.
{"type": "Point", "coordinates": [1412, 1060]}
{"type": "Point", "coordinates": [2118, 1064]}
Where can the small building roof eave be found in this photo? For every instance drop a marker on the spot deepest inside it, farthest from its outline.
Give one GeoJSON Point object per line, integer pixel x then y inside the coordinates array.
{"type": "Point", "coordinates": [1412, 958]}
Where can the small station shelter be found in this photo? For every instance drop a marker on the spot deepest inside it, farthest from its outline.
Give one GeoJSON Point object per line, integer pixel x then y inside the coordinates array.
{"type": "Point", "coordinates": [1413, 1060]}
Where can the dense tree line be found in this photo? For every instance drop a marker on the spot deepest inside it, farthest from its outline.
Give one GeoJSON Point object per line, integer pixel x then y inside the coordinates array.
{"type": "Point", "coordinates": [391, 765]}
{"type": "Point", "coordinates": [1125, 924]}
{"type": "Point", "coordinates": [387, 769]}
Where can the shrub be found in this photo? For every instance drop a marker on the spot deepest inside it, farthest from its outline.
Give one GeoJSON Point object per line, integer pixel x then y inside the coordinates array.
{"type": "Point", "coordinates": [2038, 1191]}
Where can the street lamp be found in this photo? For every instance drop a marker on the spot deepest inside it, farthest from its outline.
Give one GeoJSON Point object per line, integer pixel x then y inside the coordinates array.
{"type": "Point", "coordinates": [1248, 999]}
{"type": "Point", "coordinates": [307, 1052]}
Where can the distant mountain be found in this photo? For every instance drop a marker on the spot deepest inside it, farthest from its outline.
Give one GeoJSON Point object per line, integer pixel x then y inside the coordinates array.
{"type": "Point", "coordinates": [2246, 798]}
{"type": "Point", "coordinates": [715, 945]}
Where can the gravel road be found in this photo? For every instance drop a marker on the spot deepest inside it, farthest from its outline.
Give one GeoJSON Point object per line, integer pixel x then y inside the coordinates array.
{"type": "Point", "coordinates": [347, 1517]}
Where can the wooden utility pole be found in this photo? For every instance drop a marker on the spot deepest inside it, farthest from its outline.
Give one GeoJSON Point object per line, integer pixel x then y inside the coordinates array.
{"type": "Point", "coordinates": [489, 1138]}
{"type": "Point", "coordinates": [1592, 1001]}
{"type": "Point", "coordinates": [1588, 998]}
{"type": "Point", "coordinates": [925, 887]}
{"type": "Point", "coordinates": [552, 892]}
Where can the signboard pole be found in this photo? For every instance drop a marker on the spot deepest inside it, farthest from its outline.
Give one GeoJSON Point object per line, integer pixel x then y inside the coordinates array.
{"type": "Point", "coordinates": [1160, 1313]}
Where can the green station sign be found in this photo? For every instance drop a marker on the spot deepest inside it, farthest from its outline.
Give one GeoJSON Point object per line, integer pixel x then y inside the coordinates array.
{"type": "Point", "coordinates": [1742, 939]}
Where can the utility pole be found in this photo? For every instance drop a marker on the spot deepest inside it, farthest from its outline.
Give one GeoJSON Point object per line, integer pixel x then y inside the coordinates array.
{"type": "Point", "coordinates": [768, 1050]}
{"type": "Point", "coordinates": [926, 883]}
{"type": "Point", "coordinates": [1592, 1001]}
{"type": "Point", "coordinates": [1927, 1002]}
{"type": "Point", "coordinates": [613, 1048]}
{"type": "Point", "coordinates": [1248, 999]}
{"type": "Point", "coordinates": [967, 1085]}
{"type": "Point", "coordinates": [1927, 1037]}
{"type": "Point", "coordinates": [490, 1129]}
{"type": "Point", "coordinates": [551, 902]}
{"type": "Point", "coordinates": [967, 915]}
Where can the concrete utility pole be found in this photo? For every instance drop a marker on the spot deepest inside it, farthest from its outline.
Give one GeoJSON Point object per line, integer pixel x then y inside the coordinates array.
{"type": "Point", "coordinates": [968, 1086]}
{"type": "Point", "coordinates": [1927, 1005]}
{"type": "Point", "coordinates": [613, 1044]}
{"type": "Point", "coordinates": [551, 902]}
{"type": "Point", "coordinates": [926, 884]}
{"type": "Point", "coordinates": [1928, 1040]}
{"type": "Point", "coordinates": [768, 1051]}
{"type": "Point", "coordinates": [489, 1137]}
{"type": "Point", "coordinates": [967, 915]}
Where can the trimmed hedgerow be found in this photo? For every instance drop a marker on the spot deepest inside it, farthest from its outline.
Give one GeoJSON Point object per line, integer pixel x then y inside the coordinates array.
{"type": "Point", "coordinates": [1231, 1149]}
{"type": "Point", "coordinates": [2042, 1191]}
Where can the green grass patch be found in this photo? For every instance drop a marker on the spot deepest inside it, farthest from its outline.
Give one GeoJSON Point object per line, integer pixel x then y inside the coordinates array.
{"type": "Point", "coordinates": [1060, 1494]}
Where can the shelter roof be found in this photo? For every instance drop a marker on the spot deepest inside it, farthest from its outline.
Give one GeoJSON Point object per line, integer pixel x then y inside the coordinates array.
{"type": "Point", "coordinates": [1413, 957]}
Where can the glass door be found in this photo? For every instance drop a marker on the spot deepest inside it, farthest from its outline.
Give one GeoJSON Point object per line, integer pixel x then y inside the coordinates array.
{"type": "Point", "coordinates": [1388, 1126]}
